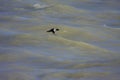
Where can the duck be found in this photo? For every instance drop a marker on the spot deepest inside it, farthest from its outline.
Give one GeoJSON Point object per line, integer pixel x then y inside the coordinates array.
{"type": "Point", "coordinates": [53, 30]}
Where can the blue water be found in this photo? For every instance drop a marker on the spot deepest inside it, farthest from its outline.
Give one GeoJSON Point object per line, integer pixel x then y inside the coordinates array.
{"type": "Point", "coordinates": [87, 47]}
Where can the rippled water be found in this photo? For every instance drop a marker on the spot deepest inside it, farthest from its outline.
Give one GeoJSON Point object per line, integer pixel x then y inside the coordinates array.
{"type": "Point", "coordinates": [87, 47]}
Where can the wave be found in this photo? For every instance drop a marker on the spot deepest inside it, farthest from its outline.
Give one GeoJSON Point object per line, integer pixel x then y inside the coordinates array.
{"type": "Point", "coordinates": [67, 39]}
{"type": "Point", "coordinates": [81, 34]}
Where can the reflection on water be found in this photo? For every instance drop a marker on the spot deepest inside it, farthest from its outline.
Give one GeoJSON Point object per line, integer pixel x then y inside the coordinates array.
{"type": "Point", "coordinates": [86, 47]}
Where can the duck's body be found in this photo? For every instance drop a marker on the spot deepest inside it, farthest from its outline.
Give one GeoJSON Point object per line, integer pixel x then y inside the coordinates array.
{"type": "Point", "coordinates": [53, 30]}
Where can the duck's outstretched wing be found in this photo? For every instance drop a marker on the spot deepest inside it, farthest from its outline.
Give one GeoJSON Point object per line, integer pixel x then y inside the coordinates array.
{"type": "Point", "coordinates": [50, 30]}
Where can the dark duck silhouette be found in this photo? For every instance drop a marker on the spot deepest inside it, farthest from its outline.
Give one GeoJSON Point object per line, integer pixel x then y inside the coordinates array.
{"type": "Point", "coordinates": [53, 30]}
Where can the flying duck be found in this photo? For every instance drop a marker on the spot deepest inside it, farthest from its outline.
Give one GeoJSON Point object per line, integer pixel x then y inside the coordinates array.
{"type": "Point", "coordinates": [53, 30]}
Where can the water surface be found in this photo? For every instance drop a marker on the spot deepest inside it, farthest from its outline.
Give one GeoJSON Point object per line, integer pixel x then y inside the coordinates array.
{"type": "Point", "coordinates": [87, 47]}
